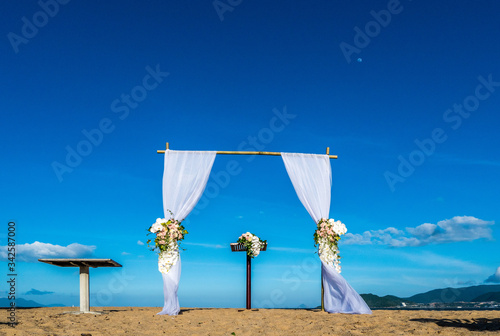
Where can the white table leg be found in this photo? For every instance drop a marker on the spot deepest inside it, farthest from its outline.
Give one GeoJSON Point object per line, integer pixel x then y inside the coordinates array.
{"type": "Point", "coordinates": [84, 289]}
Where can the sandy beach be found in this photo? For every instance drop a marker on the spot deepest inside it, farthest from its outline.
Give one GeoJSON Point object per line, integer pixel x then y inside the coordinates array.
{"type": "Point", "coordinates": [205, 321]}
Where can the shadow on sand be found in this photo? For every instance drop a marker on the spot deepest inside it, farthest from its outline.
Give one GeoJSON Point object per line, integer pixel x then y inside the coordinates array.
{"type": "Point", "coordinates": [477, 324]}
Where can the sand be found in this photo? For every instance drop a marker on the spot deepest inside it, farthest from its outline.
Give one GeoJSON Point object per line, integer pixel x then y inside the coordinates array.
{"type": "Point", "coordinates": [197, 321]}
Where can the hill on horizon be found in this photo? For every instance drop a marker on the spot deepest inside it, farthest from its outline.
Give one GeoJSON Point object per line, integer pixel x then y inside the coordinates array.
{"type": "Point", "coordinates": [20, 302]}
{"type": "Point", "coordinates": [490, 296]}
{"type": "Point", "coordinates": [375, 301]}
{"type": "Point", "coordinates": [480, 293]}
{"type": "Point", "coordinates": [449, 294]}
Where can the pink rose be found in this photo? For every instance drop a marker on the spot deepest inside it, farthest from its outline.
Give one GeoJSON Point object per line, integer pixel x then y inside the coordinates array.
{"type": "Point", "coordinates": [162, 242]}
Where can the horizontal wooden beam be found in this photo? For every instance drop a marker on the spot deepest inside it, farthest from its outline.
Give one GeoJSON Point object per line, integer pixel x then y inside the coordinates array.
{"type": "Point", "coordinates": [251, 153]}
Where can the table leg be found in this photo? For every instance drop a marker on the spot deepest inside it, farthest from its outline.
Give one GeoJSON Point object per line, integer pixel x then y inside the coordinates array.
{"type": "Point", "coordinates": [84, 289]}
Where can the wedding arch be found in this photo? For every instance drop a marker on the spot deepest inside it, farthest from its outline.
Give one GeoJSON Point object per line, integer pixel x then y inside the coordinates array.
{"type": "Point", "coordinates": [185, 176]}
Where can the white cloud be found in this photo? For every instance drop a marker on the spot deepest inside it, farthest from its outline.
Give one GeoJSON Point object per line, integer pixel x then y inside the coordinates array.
{"type": "Point", "coordinates": [140, 243]}
{"type": "Point", "coordinates": [33, 252]}
{"type": "Point", "coordinates": [495, 278]}
{"type": "Point", "coordinates": [456, 229]}
{"type": "Point", "coordinates": [37, 292]}
{"type": "Point", "coordinates": [125, 253]}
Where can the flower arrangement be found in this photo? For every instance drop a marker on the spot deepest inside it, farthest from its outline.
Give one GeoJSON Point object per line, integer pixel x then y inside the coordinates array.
{"type": "Point", "coordinates": [252, 243]}
{"type": "Point", "coordinates": [169, 233]}
{"type": "Point", "coordinates": [327, 236]}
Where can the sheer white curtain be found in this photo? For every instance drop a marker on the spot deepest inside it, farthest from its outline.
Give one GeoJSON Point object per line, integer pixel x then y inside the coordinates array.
{"type": "Point", "coordinates": [311, 177]}
{"type": "Point", "coordinates": [184, 178]}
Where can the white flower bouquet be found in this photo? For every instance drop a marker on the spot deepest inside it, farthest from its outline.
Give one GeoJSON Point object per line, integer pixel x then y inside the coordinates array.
{"type": "Point", "coordinates": [326, 237]}
{"type": "Point", "coordinates": [253, 243]}
{"type": "Point", "coordinates": [169, 233]}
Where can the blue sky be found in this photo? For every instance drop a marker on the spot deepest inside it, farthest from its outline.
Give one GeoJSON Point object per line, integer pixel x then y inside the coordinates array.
{"type": "Point", "coordinates": [406, 93]}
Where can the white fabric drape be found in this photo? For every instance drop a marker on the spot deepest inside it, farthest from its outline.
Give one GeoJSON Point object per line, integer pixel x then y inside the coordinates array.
{"type": "Point", "coordinates": [185, 176]}
{"type": "Point", "coordinates": [311, 177]}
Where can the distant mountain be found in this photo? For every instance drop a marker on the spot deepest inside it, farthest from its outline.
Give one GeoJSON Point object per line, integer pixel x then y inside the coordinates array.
{"type": "Point", "coordinates": [375, 301]}
{"type": "Point", "coordinates": [56, 305]}
{"type": "Point", "coordinates": [447, 295]}
{"type": "Point", "coordinates": [491, 296]}
{"type": "Point", "coordinates": [5, 303]}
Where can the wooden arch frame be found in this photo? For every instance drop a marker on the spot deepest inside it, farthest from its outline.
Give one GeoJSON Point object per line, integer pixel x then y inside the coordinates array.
{"type": "Point", "coordinates": [271, 154]}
